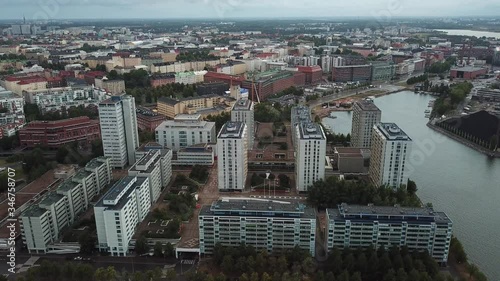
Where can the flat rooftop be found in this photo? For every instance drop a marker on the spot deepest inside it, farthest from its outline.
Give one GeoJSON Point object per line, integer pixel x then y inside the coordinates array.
{"type": "Point", "coordinates": [33, 211]}
{"type": "Point", "coordinates": [232, 130]}
{"type": "Point", "coordinates": [81, 174]}
{"type": "Point", "coordinates": [469, 69]}
{"type": "Point", "coordinates": [51, 198]}
{"type": "Point", "coordinates": [257, 208]}
{"type": "Point", "coordinates": [367, 105]}
{"type": "Point", "coordinates": [391, 131]}
{"type": "Point", "coordinates": [243, 105]}
{"type": "Point", "coordinates": [67, 185]}
{"type": "Point", "coordinates": [383, 213]}
{"type": "Point", "coordinates": [188, 117]}
{"type": "Point", "coordinates": [119, 186]}
{"type": "Point", "coordinates": [95, 163]}
{"type": "Point", "coordinates": [310, 130]}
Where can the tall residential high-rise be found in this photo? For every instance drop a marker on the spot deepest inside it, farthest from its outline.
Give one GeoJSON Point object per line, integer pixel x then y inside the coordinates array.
{"type": "Point", "coordinates": [354, 226]}
{"type": "Point", "coordinates": [120, 137]}
{"type": "Point", "coordinates": [119, 211]}
{"type": "Point", "coordinates": [390, 151]}
{"type": "Point", "coordinates": [232, 159]}
{"type": "Point", "coordinates": [310, 155]}
{"type": "Point", "coordinates": [243, 111]}
{"type": "Point", "coordinates": [185, 131]}
{"type": "Point", "coordinates": [299, 114]}
{"type": "Point", "coordinates": [272, 226]}
{"type": "Point", "coordinates": [365, 115]}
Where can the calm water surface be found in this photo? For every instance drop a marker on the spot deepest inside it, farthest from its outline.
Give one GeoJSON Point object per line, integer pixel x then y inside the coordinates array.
{"type": "Point", "coordinates": [454, 178]}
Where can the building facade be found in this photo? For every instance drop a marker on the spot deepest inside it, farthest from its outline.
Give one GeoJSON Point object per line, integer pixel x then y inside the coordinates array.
{"type": "Point", "coordinates": [232, 162]}
{"type": "Point", "coordinates": [185, 131]}
{"type": "Point", "coordinates": [352, 73]}
{"type": "Point", "coordinates": [54, 134]}
{"type": "Point", "coordinates": [310, 155]}
{"type": "Point", "coordinates": [148, 120]}
{"type": "Point", "coordinates": [165, 160]}
{"type": "Point", "coordinates": [195, 105]}
{"type": "Point", "coordinates": [42, 222]}
{"type": "Point", "coordinates": [118, 213]}
{"type": "Point", "coordinates": [149, 166]}
{"type": "Point", "coordinates": [243, 111]}
{"type": "Point", "coordinates": [390, 150]}
{"type": "Point", "coordinates": [365, 115]}
{"type": "Point", "coordinates": [273, 226]}
{"type": "Point", "coordinates": [200, 154]}
{"type": "Point", "coordinates": [422, 229]}
{"type": "Point", "coordinates": [120, 137]}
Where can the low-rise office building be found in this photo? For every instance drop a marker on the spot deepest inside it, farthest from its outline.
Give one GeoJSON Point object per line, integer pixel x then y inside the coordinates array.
{"type": "Point", "coordinates": [200, 154]}
{"type": "Point", "coordinates": [118, 213]}
{"type": "Point", "coordinates": [354, 226]}
{"type": "Point", "coordinates": [185, 131]}
{"type": "Point", "coordinates": [273, 226]}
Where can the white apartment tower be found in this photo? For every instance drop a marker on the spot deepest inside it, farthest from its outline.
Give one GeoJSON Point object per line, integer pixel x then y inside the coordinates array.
{"type": "Point", "coordinates": [390, 150]}
{"type": "Point", "coordinates": [243, 111]}
{"type": "Point", "coordinates": [118, 213]}
{"type": "Point", "coordinates": [310, 154]}
{"type": "Point", "coordinates": [184, 131]}
{"type": "Point", "coordinates": [365, 115]}
{"type": "Point", "coordinates": [233, 156]}
{"type": "Point", "coordinates": [120, 137]}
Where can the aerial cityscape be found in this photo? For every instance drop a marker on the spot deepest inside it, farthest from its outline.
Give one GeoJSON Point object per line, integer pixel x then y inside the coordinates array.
{"type": "Point", "coordinates": [253, 141]}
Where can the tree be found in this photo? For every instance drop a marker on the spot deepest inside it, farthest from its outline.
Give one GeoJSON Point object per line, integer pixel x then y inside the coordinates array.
{"type": "Point", "coordinates": [105, 274]}
{"type": "Point", "coordinates": [171, 275]}
{"type": "Point", "coordinates": [169, 250]}
{"type": "Point", "coordinates": [254, 277]}
{"type": "Point", "coordinates": [472, 270]}
{"type": "Point", "coordinates": [309, 266]}
{"type": "Point", "coordinates": [141, 245]}
{"type": "Point", "coordinates": [227, 264]}
{"type": "Point", "coordinates": [87, 243]}
{"type": "Point", "coordinates": [244, 277]}
{"type": "Point", "coordinates": [330, 276]}
{"type": "Point", "coordinates": [266, 277]}
{"type": "Point", "coordinates": [158, 249]}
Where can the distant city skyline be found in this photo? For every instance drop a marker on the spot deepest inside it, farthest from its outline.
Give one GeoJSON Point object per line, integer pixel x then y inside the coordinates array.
{"type": "Point", "coordinates": [221, 9]}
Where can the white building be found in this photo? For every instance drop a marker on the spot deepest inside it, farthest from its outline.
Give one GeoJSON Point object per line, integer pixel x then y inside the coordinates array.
{"type": "Point", "coordinates": [299, 114]}
{"type": "Point", "coordinates": [352, 226]}
{"type": "Point", "coordinates": [120, 137]}
{"type": "Point", "coordinates": [272, 226]}
{"type": "Point", "coordinates": [41, 223]}
{"type": "Point", "coordinates": [365, 115]}
{"type": "Point", "coordinates": [390, 149]}
{"type": "Point", "coordinates": [118, 213]}
{"type": "Point", "coordinates": [192, 77]}
{"type": "Point", "coordinates": [200, 154]}
{"type": "Point", "coordinates": [232, 158]}
{"type": "Point", "coordinates": [310, 155]}
{"type": "Point", "coordinates": [243, 111]}
{"type": "Point", "coordinates": [165, 160]}
{"type": "Point", "coordinates": [185, 131]}
{"type": "Point", "coordinates": [149, 166]}
{"type": "Point", "coordinates": [58, 98]}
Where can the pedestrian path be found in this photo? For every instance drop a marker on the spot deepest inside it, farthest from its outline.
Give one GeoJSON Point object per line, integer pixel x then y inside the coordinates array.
{"type": "Point", "coordinates": [279, 197]}
{"type": "Point", "coordinates": [27, 265]}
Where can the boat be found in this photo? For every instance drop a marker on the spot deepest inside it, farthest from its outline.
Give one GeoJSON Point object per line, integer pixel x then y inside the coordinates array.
{"type": "Point", "coordinates": [427, 116]}
{"type": "Point", "coordinates": [427, 111]}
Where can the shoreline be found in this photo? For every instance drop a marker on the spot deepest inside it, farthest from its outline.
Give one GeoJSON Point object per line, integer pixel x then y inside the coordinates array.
{"type": "Point", "coordinates": [464, 141]}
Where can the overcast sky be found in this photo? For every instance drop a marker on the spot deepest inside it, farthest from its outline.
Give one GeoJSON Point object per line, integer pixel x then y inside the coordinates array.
{"type": "Point", "coordinates": [74, 9]}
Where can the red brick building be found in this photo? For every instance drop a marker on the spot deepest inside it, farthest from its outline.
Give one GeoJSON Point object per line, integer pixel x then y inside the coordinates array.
{"type": "Point", "coordinates": [56, 82]}
{"type": "Point", "coordinates": [220, 77]}
{"type": "Point", "coordinates": [299, 79]}
{"type": "Point", "coordinates": [270, 83]}
{"type": "Point", "coordinates": [90, 77]}
{"type": "Point", "coordinates": [314, 74]}
{"type": "Point", "coordinates": [148, 120]}
{"type": "Point", "coordinates": [162, 79]}
{"type": "Point", "coordinates": [468, 72]}
{"type": "Point", "coordinates": [53, 134]}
